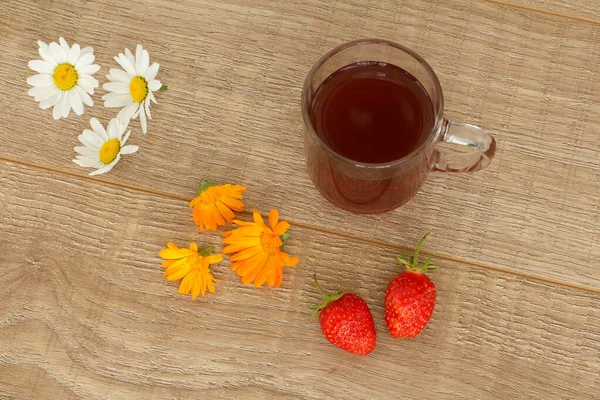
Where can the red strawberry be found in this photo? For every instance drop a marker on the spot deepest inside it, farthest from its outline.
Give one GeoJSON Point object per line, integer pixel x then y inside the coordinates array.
{"type": "Point", "coordinates": [346, 321]}
{"type": "Point", "coordinates": [410, 297]}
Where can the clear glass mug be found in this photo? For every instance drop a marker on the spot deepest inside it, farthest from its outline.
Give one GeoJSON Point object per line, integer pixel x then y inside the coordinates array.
{"type": "Point", "coordinates": [374, 188]}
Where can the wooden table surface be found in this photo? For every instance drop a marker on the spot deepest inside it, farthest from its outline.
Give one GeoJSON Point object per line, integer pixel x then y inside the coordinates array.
{"type": "Point", "coordinates": [86, 313]}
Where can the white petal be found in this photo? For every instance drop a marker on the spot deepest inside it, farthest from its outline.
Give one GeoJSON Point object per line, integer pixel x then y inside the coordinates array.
{"type": "Point", "coordinates": [142, 60]}
{"type": "Point", "coordinates": [86, 50]}
{"type": "Point", "coordinates": [116, 87]}
{"type": "Point", "coordinates": [108, 167]}
{"type": "Point", "coordinates": [129, 149]}
{"type": "Point", "coordinates": [151, 72]}
{"type": "Point", "coordinates": [113, 129]}
{"type": "Point", "coordinates": [90, 139]}
{"type": "Point", "coordinates": [57, 52]}
{"type": "Point", "coordinates": [74, 54]}
{"type": "Point", "coordinates": [88, 162]}
{"type": "Point", "coordinates": [127, 112]}
{"type": "Point", "coordinates": [144, 64]}
{"type": "Point", "coordinates": [81, 163]}
{"type": "Point", "coordinates": [115, 74]}
{"type": "Point", "coordinates": [124, 62]}
{"type": "Point", "coordinates": [125, 138]}
{"type": "Point", "coordinates": [86, 151]}
{"type": "Point", "coordinates": [41, 80]}
{"type": "Point", "coordinates": [143, 120]}
{"type": "Point", "coordinates": [57, 110]}
{"type": "Point", "coordinates": [90, 69]}
{"type": "Point", "coordinates": [48, 92]}
{"type": "Point", "coordinates": [87, 100]}
{"type": "Point", "coordinates": [84, 61]}
{"type": "Point", "coordinates": [66, 105]}
{"type": "Point", "coordinates": [64, 46]}
{"type": "Point", "coordinates": [75, 100]}
{"type": "Point", "coordinates": [46, 56]}
{"type": "Point", "coordinates": [137, 111]}
{"type": "Point", "coordinates": [99, 129]}
{"type": "Point", "coordinates": [151, 95]}
{"type": "Point", "coordinates": [42, 45]}
{"type": "Point", "coordinates": [50, 100]}
{"type": "Point", "coordinates": [147, 108]}
{"type": "Point", "coordinates": [38, 91]}
{"type": "Point", "coordinates": [42, 67]}
{"type": "Point", "coordinates": [130, 57]}
{"type": "Point", "coordinates": [120, 100]}
{"type": "Point", "coordinates": [154, 85]}
{"type": "Point", "coordinates": [88, 83]}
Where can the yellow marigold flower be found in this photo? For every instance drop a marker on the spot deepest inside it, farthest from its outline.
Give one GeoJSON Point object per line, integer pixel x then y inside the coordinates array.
{"type": "Point", "coordinates": [256, 250]}
{"type": "Point", "coordinates": [192, 265]}
{"type": "Point", "coordinates": [215, 204]}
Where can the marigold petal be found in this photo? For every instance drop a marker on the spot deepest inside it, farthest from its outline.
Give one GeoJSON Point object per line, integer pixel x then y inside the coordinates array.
{"type": "Point", "coordinates": [233, 203]}
{"type": "Point", "coordinates": [273, 218]}
{"type": "Point", "coordinates": [219, 219]}
{"type": "Point", "coordinates": [247, 253]}
{"type": "Point", "coordinates": [173, 254]}
{"type": "Point", "coordinates": [186, 283]}
{"type": "Point", "coordinates": [257, 218]}
{"type": "Point", "coordinates": [280, 228]}
{"type": "Point", "coordinates": [209, 220]}
{"type": "Point", "coordinates": [289, 261]}
{"type": "Point", "coordinates": [246, 267]}
{"type": "Point", "coordinates": [193, 247]}
{"type": "Point", "coordinates": [235, 246]}
{"type": "Point", "coordinates": [269, 264]}
{"type": "Point", "coordinates": [211, 286]}
{"type": "Point", "coordinates": [278, 276]}
{"type": "Point", "coordinates": [196, 286]}
{"type": "Point", "coordinates": [225, 211]}
{"type": "Point", "coordinates": [198, 220]}
{"type": "Point", "coordinates": [168, 263]}
{"type": "Point", "coordinates": [195, 202]}
{"type": "Point", "coordinates": [213, 258]}
{"type": "Point", "coordinates": [176, 272]}
{"type": "Point", "coordinates": [203, 276]}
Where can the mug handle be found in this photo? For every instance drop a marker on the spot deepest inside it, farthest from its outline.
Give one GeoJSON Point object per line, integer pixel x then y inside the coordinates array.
{"type": "Point", "coordinates": [482, 148]}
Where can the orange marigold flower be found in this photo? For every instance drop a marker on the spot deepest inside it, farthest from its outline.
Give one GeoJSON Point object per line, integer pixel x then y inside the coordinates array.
{"type": "Point", "coordinates": [192, 265]}
{"type": "Point", "coordinates": [256, 250]}
{"type": "Point", "coordinates": [215, 204]}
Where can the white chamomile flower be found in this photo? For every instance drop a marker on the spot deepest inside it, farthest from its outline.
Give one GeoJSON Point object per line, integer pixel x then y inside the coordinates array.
{"type": "Point", "coordinates": [102, 148]}
{"type": "Point", "coordinates": [132, 87]}
{"type": "Point", "coordinates": [64, 77]}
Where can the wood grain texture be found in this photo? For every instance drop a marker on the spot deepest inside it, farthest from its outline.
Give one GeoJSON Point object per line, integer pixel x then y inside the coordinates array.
{"type": "Point", "coordinates": [235, 70]}
{"type": "Point", "coordinates": [585, 10]}
{"type": "Point", "coordinates": [86, 313]}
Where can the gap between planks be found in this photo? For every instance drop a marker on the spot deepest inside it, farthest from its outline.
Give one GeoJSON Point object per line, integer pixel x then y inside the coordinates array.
{"type": "Point", "coordinates": [540, 11]}
{"type": "Point", "coordinates": [382, 243]}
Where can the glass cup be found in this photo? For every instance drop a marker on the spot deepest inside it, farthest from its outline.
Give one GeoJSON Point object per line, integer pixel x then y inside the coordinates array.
{"type": "Point", "coordinates": [375, 188]}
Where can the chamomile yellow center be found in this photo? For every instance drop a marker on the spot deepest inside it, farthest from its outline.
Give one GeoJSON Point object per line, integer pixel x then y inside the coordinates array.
{"type": "Point", "coordinates": [65, 76]}
{"type": "Point", "coordinates": [138, 89]}
{"type": "Point", "coordinates": [109, 151]}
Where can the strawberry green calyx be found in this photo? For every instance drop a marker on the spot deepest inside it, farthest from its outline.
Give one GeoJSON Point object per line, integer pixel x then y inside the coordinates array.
{"type": "Point", "coordinates": [412, 263]}
{"type": "Point", "coordinates": [327, 298]}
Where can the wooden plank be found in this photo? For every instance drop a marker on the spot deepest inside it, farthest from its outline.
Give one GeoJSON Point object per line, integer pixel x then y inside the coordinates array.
{"type": "Point", "coordinates": [235, 71]}
{"type": "Point", "coordinates": [85, 312]}
{"type": "Point", "coordinates": [585, 10]}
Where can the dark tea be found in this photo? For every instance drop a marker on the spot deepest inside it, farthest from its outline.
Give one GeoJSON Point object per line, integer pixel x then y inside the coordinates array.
{"type": "Point", "coordinates": [372, 112]}
{"type": "Point", "coordinates": [374, 115]}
